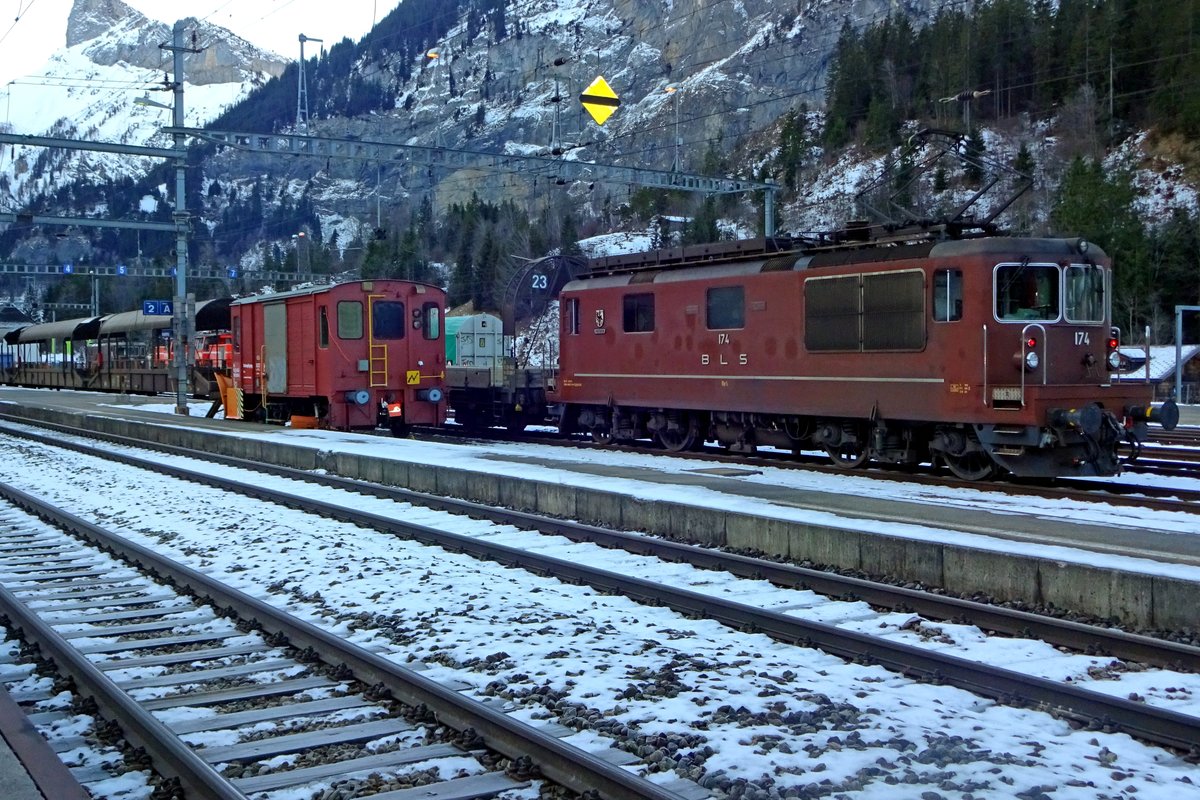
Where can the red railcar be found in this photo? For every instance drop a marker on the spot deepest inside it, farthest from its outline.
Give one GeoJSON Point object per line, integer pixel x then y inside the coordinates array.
{"type": "Point", "coordinates": [980, 353]}
{"type": "Point", "coordinates": [351, 356]}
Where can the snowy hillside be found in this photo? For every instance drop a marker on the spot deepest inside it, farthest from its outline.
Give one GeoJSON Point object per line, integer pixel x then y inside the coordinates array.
{"type": "Point", "coordinates": [87, 91]}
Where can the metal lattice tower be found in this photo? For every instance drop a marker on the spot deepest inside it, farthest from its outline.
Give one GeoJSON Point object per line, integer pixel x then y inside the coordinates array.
{"type": "Point", "coordinates": [302, 89]}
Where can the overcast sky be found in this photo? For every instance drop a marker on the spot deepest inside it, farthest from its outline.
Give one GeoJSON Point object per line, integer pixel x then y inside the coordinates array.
{"type": "Point", "coordinates": [34, 29]}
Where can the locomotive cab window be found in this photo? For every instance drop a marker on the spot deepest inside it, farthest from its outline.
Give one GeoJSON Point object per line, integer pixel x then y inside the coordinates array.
{"type": "Point", "coordinates": [726, 307]}
{"type": "Point", "coordinates": [571, 316]}
{"type": "Point", "coordinates": [639, 313]}
{"type": "Point", "coordinates": [387, 319]}
{"type": "Point", "coordinates": [432, 316]}
{"type": "Point", "coordinates": [1085, 293]}
{"type": "Point", "coordinates": [350, 319]}
{"type": "Point", "coordinates": [947, 295]}
{"type": "Point", "coordinates": [1027, 292]}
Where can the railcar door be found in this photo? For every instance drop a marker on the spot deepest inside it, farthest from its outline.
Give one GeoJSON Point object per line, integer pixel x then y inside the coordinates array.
{"type": "Point", "coordinates": [302, 371]}
{"type": "Point", "coordinates": [275, 347]}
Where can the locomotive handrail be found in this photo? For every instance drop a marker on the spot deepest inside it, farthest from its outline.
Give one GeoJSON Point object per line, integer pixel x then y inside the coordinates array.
{"type": "Point", "coordinates": [1024, 339]}
{"type": "Point", "coordinates": [985, 365]}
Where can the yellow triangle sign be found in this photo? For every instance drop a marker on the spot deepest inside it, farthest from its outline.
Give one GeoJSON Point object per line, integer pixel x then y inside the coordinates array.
{"type": "Point", "coordinates": [599, 99]}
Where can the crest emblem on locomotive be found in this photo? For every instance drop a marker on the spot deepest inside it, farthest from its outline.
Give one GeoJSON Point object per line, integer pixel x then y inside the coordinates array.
{"type": "Point", "coordinates": [599, 317]}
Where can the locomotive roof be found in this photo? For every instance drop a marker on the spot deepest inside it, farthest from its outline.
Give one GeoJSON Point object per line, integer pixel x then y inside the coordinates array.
{"type": "Point", "coordinates": [309, 290]}
{"type": "Point", "coordinates": [751, 256]}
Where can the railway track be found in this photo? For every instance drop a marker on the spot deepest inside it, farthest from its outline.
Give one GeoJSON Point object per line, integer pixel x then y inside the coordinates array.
{"type": "Point", "coordinates": [1157, 725]}
{"type": "Point", "coordinates": [136, 646]}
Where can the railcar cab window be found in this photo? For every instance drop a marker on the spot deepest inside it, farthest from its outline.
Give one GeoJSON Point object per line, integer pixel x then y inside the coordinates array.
{"type": "Point", "coordinates": [947, 295]}
{"type": "Point", "coordinates": [350, 319]}
{"type": "Point", "coordinates": [431, 316]}
{"type": "Point", "coordinates": [323, 343]}
{"type": "Point", "coordinates": [639, 313]}
{"type": "Point", "coordinates": [726, 307]}
{"type": "Point", "coordinates": [1027, 292]}
{"type": "Point", "coordinates": [1085, 293]}
{"type": "Point", "coordinates": [387, 320]}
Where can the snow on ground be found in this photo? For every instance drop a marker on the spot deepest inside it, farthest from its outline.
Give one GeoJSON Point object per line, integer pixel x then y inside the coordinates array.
{"type": "Point", "coordinates": [741, 705]}
{"type": "Point", "coordinates": [536, 463]}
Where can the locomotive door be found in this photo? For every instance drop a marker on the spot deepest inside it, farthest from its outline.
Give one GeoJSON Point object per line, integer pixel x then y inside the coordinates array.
{"type": "Point", "coordinates": [275, 347]}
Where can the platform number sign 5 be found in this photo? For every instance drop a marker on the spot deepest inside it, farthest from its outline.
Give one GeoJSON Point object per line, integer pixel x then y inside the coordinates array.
{"type": "Point", "coordinates": [540, 282]}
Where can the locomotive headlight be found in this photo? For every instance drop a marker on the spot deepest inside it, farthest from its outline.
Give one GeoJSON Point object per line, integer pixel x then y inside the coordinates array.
{"type": "Point", "coordinates": [1032, 360]}
{"type": "Point", "coordinates": [1114, 361]}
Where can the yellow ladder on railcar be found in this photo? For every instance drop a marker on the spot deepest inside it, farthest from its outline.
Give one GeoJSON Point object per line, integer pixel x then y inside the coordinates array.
{"type": "Point", "coordinates": [377, 354]}
{"type": "Point", "coordinates": [379, 364]}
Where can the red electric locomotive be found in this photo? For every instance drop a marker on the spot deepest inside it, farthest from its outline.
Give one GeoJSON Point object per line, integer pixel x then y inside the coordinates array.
{"type": "Point", "coordinates": [980, 353]}
{"type": "Point", "coordinates": [351, 356]}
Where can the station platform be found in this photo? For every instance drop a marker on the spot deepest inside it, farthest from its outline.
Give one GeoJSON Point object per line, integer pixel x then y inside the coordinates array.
{"type": "Point", "coordinates": [1087, 559]}
{"type": "Point", "coordinates": [29, 768]}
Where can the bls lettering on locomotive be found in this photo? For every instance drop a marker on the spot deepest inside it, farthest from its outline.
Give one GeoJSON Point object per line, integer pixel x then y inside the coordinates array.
{"type": "Point", "coordinates": [723, 359]}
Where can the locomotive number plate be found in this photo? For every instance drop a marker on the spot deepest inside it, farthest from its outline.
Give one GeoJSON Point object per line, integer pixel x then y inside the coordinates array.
{"type": "Point", "coordinates": [960, 388]}
{"type": "Point", "coordinates": [1006, 393]}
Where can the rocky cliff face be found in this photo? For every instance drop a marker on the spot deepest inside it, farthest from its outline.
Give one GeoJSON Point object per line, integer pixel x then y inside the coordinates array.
{"type": "Point", "coordinates": [735, 68]}
{"type": "Point", "coordinates": [115, 33]}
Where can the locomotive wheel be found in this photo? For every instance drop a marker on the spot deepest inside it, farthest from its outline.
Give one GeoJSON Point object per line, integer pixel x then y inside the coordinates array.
{"type": "Point", "coordinates": [848, 455]}
{"type": "Point", "coordinates": [974, 465]}
{"type": "Point", "coordinates": [677, 440]}
{"type": "Point", "coordinates": [602, 436]}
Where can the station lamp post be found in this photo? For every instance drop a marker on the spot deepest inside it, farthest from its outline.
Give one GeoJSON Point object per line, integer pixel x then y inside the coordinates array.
{"type": "Point", "coordinates": [677, 164]}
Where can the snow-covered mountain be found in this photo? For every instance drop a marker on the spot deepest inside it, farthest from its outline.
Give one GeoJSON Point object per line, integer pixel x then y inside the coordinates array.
{"type": "Point", "coordinates": [716, 76]}
{"type": "Point", "coordinates": [87, 91]}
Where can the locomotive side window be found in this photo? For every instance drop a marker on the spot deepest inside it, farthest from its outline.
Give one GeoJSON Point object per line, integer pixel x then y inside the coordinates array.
{"type": "Point", "coordinates": [639, 313]}
{"type": "Point", "coordinates": [726, 307]}
{"type": "Point", "coordinates": [350, 319]}
{"type": "Point", "coordinates": [947, 295]}
{"type": "Point", "coordinates": [1027, 292]}
{"type": "Point", "coordinates": [571, 316]}
{"type": "Point", "coordinates": [323, 343]}
{"type": "Point", "coordinates": [387, 319]}
{"type": "Point", "coordinates": [1085, 293]}
{"type": "Point", "coordinates": [433, 320]}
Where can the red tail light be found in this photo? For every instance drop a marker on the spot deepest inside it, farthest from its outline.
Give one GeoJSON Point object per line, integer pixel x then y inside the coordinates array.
{"type": "Point", "coordinates": [1031, 342]}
